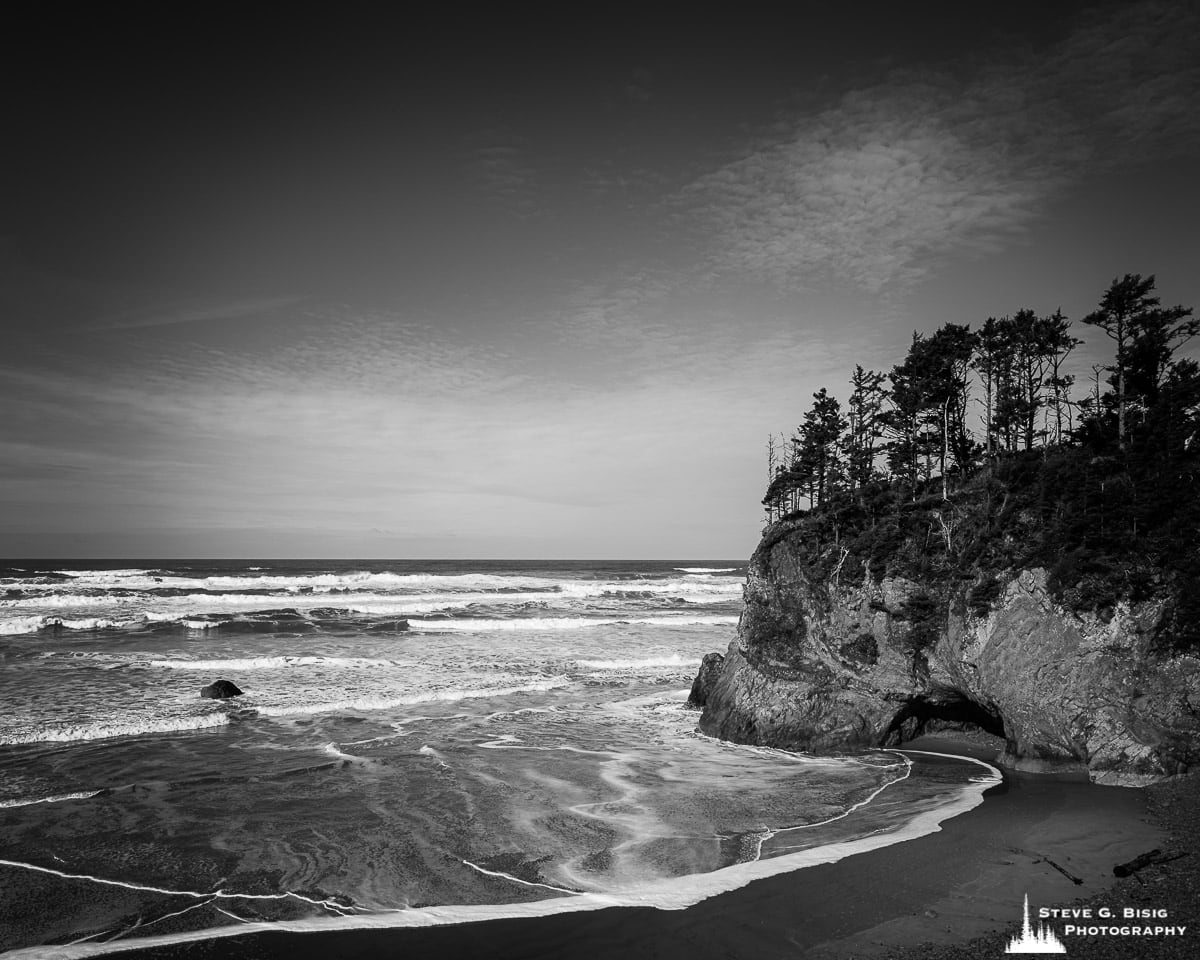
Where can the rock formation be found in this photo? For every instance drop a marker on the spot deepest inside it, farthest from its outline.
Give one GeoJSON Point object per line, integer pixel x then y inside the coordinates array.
{"type": "Point", "coordinates": [220, 690]}
{"type": "Point", "coordinates": [824, 662]}
{"type": "Point", "coordinates": [710, 669]}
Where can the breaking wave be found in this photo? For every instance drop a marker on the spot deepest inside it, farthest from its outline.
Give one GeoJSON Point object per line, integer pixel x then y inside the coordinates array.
{"type": "Point", "coordinates": [104, 729]}
{"type": "Point", "coordinates": [34, 624]}
{"type": "Point", "coordinates": [270, 663]}
{"type": "Point", "coordinates": [569, 623]}
{"type": "Point", "coordinates": [672, 661]}
{"type": "Point", "coordinates": [434, 696]}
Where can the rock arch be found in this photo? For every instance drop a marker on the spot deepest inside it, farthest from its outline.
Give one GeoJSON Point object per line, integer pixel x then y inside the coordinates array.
{"type": "Point", "coordinates": [941, 705]}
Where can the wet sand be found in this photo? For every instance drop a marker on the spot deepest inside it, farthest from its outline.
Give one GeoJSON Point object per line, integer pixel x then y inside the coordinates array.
{"type": "Point", "coordinates": [1033, 834]}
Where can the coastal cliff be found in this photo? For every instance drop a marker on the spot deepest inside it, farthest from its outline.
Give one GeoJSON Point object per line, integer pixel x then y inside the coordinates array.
{"type": "Point", "coordinates": [836, 649]}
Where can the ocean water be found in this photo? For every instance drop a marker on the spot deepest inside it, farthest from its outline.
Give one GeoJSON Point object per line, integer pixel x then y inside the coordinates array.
{"type": "Point", "coordinates": [418, 742]}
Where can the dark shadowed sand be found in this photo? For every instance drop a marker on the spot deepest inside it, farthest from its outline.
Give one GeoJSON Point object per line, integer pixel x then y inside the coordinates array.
{"type": "Point", "coordinates": [1034, 834]}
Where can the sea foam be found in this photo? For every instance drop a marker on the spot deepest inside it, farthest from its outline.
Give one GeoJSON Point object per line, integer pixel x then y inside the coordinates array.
{"type": "Point", "coordinates": [569, 623]}
{"type": "Point", "coordinates": [674, 660]}
{"type": "Point", "coordinates": [269, 663]}
{"type": "Point", "coordinates": [100, 730]}
{"type": "Point", "coordinates": [391, 702]}
{"type": "Point", "coordinates": [34, 624]}
{"type": "Point", "coordinates": [28, 802]}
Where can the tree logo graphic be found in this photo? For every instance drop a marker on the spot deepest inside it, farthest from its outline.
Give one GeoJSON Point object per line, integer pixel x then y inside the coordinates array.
{"type": "Point", "coordinates": [1035, 939]}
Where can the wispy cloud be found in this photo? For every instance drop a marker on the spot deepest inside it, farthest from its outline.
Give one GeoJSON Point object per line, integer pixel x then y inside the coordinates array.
{"type": "Point", "coordinates": [174, 315]}
{"type": "Point", "coordinates": [873, 190]}
{"type": "Point", "coordinates": [502, 172]}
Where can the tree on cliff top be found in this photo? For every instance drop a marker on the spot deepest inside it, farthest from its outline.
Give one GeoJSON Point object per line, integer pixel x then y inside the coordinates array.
{"type": "Point", "coordinates": [818, 447]}
{"type": "Point", "coordinates": [865, 419]}
{"type": "Point", "coordinates": [1146, 337]}
{"type": "Point", "coordinates": [929, 390]}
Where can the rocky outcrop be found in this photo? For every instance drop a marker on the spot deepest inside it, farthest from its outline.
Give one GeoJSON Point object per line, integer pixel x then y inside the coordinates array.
{"type": "Point", "coordinates": [824, 665]}
{"type": "Point", "coordinates": [220, 690]}
{"type": "Point", "coordinates": [710, 669]}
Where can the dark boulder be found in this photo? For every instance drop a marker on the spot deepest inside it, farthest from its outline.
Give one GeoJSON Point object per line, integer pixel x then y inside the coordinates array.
{"type": "Point", "coordinates": [710, 669]}
{"type": "Point", "coordinates": [220, 690]}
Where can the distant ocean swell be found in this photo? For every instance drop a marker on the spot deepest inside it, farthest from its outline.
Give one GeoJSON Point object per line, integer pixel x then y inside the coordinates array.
{"type": "Point", "coordinates": [137, 599]}
{"type": "Point", "coordinates": [295, 621]}
{"type": "Point", "coordinates": [151, 580]}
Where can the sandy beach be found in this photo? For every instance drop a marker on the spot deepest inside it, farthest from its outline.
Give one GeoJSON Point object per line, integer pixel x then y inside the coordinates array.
{"type": "Point", "coordinates": [1055, 838]}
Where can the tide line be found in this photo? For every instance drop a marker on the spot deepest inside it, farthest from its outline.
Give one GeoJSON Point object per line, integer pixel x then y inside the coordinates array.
{"type": "Point", "coordinates": [83, 795]}
{"type": "Point", "coordinates": [509, 876]}
{"type": "Point", "coordinates": [861, 803]}
{"type": "Point", "coordinates": [331, 905]}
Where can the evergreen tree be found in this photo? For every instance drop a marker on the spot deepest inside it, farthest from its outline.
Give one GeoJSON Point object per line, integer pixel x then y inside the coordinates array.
{"type": "Point", "coordinates": [1056, 333]}
{"type": "Point", "coordinates": [1009, 405]}
{"type": "Point", "coordinates": [1145, 336]}
{"type": "Point", "coordinates": [1022, 351]}
{"type": "Point", "coordinates": [929, 392]}
{"type": "Point", "coordinates": [818, 447]}
{"type": "Point", "coordinates": [902, 420]}
{"type": "Point", "coordinates": [991, 361]}
{"type": "Point", "coordinates": [865, 425]}
{"type": "Point", "coordinates": [948, 358]}
{"type": "Point", "coordinates": [1155, 337]}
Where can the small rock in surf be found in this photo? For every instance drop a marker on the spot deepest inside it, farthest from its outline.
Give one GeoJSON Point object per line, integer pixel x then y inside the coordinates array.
{"type": "Point", "coordinates": [220, 690]}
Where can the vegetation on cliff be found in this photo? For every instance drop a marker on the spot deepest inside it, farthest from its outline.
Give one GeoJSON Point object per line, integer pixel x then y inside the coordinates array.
{"type": "Point", "coordinates": [972, 458]}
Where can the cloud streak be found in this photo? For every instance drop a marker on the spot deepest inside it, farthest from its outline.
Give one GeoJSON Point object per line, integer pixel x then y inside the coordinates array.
{"type": "Point", "coordinates": [236, 310]}
{"type": "Point", "coordinates": [875, 189]}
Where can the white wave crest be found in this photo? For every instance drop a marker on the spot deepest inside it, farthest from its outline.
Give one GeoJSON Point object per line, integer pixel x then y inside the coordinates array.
{"type": "Point", "coordinates": [689, 587]}
{"type": "Point", "coordinates": [568, 623]}
{"type": "Point", "coordinates": [84, 795]}
{"type": "Point", "coordinates": [389, 703]}
{"type": "Point", "coordinates": [320, 582]}
{"type": "Point", "coordinates": [674, 660]}
{"type": "Point", "coordinates": [269, 663]}
{"type": "Point", "coordinates": [106, 575]}
{"type": "Point", "coordinates": [19, 625]}
{"type": "Point", "coordinates": [387, 583]}
{"type": "Point", "coordinates": [70, 732]}
{"type": "Point", "coordinates": [57, 599]}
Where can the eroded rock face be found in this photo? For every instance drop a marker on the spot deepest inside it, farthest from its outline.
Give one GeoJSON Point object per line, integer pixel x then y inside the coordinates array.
{"type": "Point", "coordinates": [826, 665]}
{"type": "Point", "coordinates": [710, 669]}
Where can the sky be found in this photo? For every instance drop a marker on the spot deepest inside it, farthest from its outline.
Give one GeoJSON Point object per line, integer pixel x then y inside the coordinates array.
{"type": "Point", "coordinates": [533, 284]}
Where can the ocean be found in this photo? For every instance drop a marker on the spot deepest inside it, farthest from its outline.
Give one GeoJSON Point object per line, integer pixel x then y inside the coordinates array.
{"type": "Point", "coordinates": [418, 742]}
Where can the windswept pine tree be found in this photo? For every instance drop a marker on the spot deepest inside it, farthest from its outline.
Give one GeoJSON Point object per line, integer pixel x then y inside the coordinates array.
{"type": "Point", "coordinates": [1056, 330]}
{"type": "Point", "coordinates": [1146, 336]}
{"type": "Point", "coordinates": [865, 425]}
{"type": "Point", "coordinates": [991, 363]}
